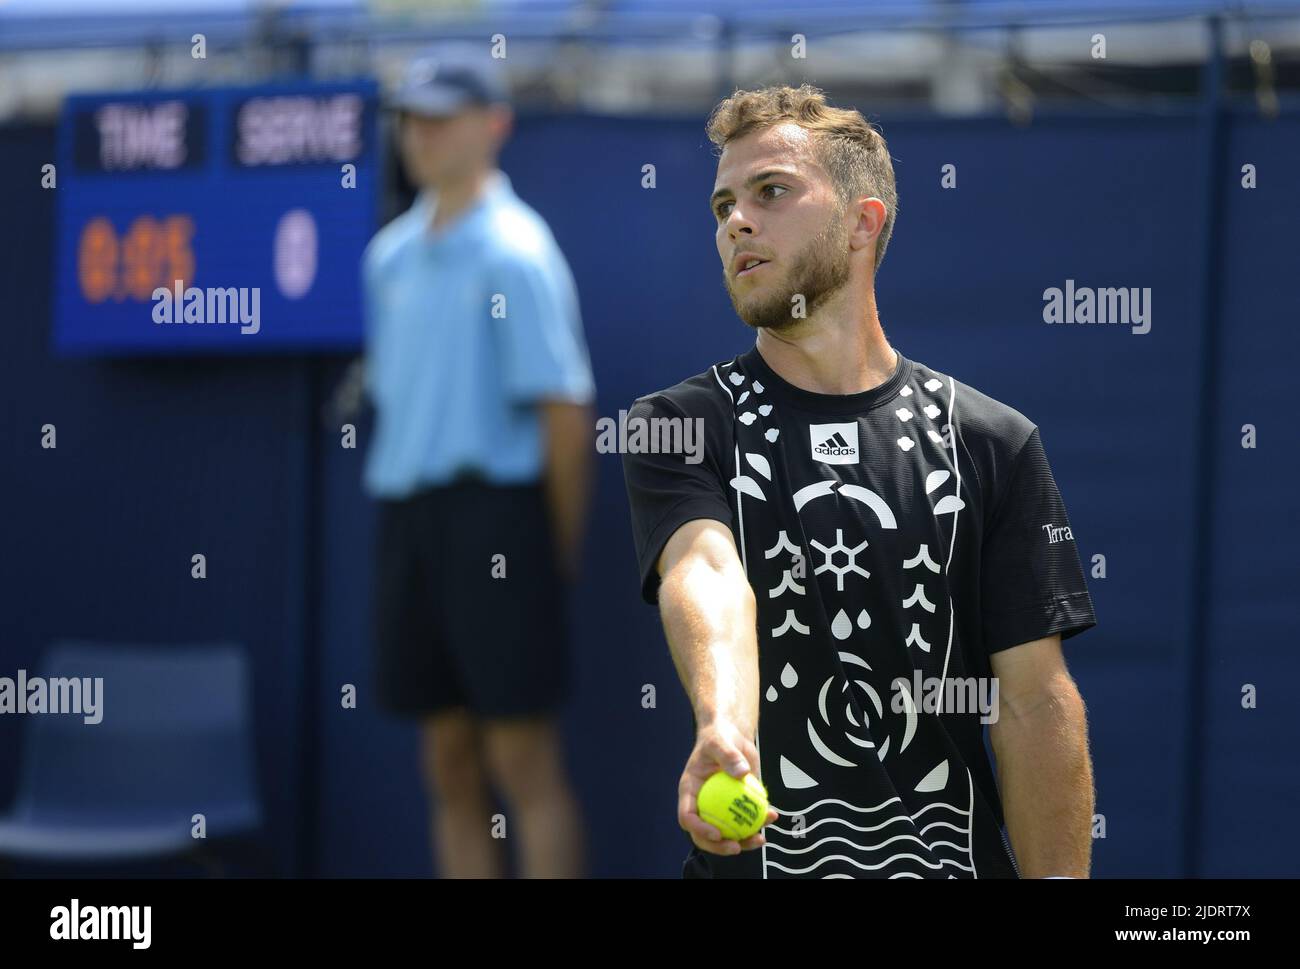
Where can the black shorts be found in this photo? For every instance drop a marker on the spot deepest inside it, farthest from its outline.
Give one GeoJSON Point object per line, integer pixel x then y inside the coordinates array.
{"type": "Point", "coordinates": [747, 864]}
{"type": "Point", "coordinates": [450, 632]}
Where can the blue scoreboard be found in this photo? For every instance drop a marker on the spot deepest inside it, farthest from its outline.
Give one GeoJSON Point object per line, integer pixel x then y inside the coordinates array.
{"type": "Point", "coordinates": [216, 220]}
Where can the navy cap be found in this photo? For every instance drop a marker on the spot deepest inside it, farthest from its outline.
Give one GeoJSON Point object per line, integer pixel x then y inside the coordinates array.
{"type": "Point", "coordinates": [438, 85]}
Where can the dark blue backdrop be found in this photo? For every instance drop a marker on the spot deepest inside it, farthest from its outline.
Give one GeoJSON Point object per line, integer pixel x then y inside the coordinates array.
{"type": "Point", "coordinates": [159, 459]}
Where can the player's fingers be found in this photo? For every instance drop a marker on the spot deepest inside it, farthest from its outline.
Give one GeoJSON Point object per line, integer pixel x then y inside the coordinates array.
{"type": "Point", "coordinates": [693, 777]}
{"type": "Point", "coordinates": [689, 820]}
{"type": "Point", "coordinates": [715, 754]}
{"type": "Point", "coordinates": [688, 810]}
{"type": "Point", "coordinates": [722, 847]}
{"type": "Point", "coordinates": [750, 753]}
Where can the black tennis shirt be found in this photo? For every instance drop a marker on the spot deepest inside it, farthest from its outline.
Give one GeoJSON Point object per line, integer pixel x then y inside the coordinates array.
{"type": "Point", "coordinates": [894, 540]}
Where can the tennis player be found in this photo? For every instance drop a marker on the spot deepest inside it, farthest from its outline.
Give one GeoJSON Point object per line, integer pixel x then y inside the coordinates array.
{"type": "Point", "coordinates": [872, 561]}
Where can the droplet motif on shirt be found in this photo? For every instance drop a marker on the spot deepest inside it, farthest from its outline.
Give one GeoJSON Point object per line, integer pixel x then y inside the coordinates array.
{"type": "Point", "coordinates": [842, 626]}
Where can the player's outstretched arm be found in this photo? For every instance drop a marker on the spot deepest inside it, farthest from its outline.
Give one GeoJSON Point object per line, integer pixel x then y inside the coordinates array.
{"type": "Point", "coordinates": [708, 613]}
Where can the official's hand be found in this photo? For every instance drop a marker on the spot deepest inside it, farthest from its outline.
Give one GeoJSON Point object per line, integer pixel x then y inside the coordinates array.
{"type": "Point", "coordinates": [348, 397]}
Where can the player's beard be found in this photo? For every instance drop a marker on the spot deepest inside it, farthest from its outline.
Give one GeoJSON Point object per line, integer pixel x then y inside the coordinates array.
{"type": "Point", "coordinates": [819, 271]}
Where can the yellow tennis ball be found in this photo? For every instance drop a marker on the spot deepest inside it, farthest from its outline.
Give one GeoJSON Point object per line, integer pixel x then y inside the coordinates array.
{"type": "Point", "coordinates": [737, 808]}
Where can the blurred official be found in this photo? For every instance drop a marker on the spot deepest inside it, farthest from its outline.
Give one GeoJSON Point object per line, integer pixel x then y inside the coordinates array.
{"type": "Point", "coordinates": [480, 461]}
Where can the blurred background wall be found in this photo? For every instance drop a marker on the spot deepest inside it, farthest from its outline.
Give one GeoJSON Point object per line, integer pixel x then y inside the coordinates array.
{"type": "Point", "coordinates": [1113, 172]}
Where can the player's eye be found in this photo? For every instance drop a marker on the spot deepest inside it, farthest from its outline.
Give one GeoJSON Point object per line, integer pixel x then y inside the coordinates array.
{"type": "Point", "coordinates": [721, 211]}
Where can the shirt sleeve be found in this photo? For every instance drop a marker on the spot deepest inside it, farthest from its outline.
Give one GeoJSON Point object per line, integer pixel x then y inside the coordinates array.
{"type": "Point", "coordinates": [544, 352]}
{"type": "Point", "coordinates": [1032, 582]}
{"type": "Point", "coordinates": [665, 491]}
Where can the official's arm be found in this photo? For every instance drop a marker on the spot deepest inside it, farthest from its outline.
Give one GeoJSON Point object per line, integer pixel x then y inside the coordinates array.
{"type": "Point", "coordinates": [567, 431]}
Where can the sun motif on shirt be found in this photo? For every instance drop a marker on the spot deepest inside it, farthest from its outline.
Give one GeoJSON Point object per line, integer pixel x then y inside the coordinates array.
{"type": "Point", "coordinates": [840, 570]}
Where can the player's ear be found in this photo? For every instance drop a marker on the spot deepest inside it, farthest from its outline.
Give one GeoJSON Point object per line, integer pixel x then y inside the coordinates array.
{"type": "Point", "coordinates": [871, 215]}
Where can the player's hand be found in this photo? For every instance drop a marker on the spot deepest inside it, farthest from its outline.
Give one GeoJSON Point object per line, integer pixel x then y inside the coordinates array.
{"type": "Point", "coordinates": [718, 746]}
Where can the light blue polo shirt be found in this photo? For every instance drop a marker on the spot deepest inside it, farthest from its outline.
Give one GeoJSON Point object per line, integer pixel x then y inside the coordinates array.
{"type": "Point", "coordinates": [467, 329]}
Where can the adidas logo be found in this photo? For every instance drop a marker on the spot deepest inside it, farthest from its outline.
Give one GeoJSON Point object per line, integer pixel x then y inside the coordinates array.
{"type": "Point", "coordinates": [834, 443]}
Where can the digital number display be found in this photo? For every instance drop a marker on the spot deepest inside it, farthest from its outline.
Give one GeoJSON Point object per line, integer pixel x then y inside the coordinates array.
{"type": "Point", "coordinates": [152, 253]}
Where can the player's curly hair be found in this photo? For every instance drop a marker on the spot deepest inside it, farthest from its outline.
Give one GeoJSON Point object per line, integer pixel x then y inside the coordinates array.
{"type": "Point", "coordinates": [851, 150]}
